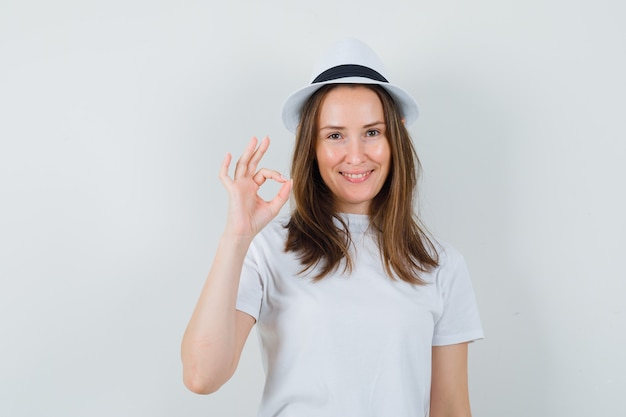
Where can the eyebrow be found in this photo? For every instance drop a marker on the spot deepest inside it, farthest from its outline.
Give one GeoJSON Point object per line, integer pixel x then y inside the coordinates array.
{"type": "Point", "coordinates": [330, 127]}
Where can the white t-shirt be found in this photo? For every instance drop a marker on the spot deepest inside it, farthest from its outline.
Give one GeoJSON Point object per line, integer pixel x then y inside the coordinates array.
{"type": "Point", "coordinates": [354, 344]}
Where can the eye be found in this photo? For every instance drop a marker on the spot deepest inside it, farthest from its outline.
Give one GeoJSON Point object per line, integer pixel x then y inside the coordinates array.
{"type": "Point", "coordinates": [372, 132]}
{"type": "Point", "coordinates": [334, 136]}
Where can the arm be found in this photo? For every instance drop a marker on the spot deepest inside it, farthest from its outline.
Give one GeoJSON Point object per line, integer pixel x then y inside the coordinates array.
{"type": "Point", "coordinates": [449, 395]}
{"type": "Point", "coordinates": [216, 332]}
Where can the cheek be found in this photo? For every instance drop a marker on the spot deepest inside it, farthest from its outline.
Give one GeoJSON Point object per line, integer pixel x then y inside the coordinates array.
{"type": "Point", "coordinates": [382, 153]}
{"type": "Point", "coordinates": [325, 157]}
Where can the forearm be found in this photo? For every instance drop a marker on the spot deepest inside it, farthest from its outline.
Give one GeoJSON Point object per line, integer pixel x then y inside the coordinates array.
{"type": "Point", "coordinates": [209, 348]}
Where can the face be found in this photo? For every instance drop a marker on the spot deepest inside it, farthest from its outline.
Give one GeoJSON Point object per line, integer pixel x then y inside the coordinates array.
{"type": "Point", "coordinates": [352, 150]}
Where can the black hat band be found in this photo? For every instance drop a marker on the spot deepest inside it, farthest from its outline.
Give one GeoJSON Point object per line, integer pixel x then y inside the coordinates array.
{"type": "Point", "coordinates": [349, 70]}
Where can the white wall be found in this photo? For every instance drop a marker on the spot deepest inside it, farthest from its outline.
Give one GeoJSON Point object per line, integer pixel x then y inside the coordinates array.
{"type": "Point", "coordinates": [114, 117]}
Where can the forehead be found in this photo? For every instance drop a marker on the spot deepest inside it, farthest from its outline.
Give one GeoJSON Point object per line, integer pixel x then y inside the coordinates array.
{"type": "Point", "coordinates": [352, 102]}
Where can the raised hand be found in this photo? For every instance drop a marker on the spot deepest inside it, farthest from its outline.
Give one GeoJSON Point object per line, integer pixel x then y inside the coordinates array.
{"type": "Point", "coordinates": [248, 213]}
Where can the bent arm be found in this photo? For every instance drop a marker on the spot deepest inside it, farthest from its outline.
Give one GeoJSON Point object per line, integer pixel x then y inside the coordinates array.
{"type": "Point", "coordinates": [217, 332]}
{"type": "Point", "coordinates": [449, 395]}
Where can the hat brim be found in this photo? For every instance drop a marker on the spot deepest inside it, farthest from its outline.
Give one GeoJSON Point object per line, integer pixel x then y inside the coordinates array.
{"type": "Point", "coordinates": [295, 102]}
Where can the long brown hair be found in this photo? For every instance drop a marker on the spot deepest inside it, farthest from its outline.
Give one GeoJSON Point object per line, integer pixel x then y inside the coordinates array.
{"type": "Point", "coordinates": [313, 233]}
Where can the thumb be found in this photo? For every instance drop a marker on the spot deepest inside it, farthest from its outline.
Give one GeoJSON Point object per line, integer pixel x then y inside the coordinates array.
{"type": "Point", "coordinates": [281, 197]}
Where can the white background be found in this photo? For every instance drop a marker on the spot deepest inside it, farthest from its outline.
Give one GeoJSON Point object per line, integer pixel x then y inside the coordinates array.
{"type": "Point", "coordinates": [114, 117]}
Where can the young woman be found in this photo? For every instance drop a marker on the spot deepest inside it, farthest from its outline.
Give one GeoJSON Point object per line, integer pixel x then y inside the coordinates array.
{"type": "Point", "coordinates": [358, 311]}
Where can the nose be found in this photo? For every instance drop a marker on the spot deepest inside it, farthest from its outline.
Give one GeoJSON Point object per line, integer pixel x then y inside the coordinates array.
{"type": "Point", "coordinates": [355, 153]}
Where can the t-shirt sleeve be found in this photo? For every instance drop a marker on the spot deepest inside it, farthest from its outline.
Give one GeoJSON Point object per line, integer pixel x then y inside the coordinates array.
{"type": "Point", "coordinates": [459, 321]}
{"type": "Point", "coordinates": [250, 292]}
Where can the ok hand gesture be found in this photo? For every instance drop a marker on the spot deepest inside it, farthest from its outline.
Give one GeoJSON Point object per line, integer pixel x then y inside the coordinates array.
{"type": "Point", "coordinates": [248, 213]}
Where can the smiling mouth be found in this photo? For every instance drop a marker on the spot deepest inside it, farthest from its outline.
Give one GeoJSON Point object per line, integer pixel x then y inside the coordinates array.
{"type": "Point", "coordinates": [356, 176]}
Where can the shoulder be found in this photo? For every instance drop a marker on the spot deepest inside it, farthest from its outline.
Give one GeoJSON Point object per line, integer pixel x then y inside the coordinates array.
{"type": "Point", "coordinates": [451, 266]}
{"type": "Point", "coordinates": [446, 253]}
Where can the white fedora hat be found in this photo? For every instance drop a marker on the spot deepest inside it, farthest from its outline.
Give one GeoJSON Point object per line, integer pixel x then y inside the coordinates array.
{"type": "Point", "coordinates": [348, 62]}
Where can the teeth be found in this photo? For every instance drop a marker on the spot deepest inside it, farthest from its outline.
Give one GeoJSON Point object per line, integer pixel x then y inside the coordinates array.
{"type": "Point", "coordinates": [355, 176]}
